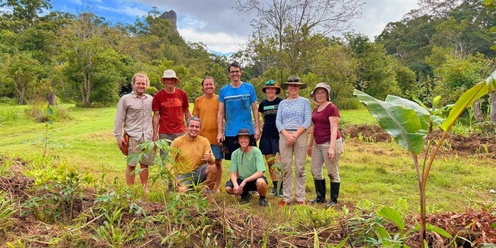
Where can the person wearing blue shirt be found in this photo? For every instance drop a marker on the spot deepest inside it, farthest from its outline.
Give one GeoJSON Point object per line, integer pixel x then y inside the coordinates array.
{"type": "Point", "coordinates": [235, 102]}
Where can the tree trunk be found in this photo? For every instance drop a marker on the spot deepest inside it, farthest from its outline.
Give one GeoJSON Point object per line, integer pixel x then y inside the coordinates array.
{"type": "Point", "coordinates": [492, 106]}
{"type": "Point", "coordinates": [478, 115]}
{"type": "Point", "coordinates": [51, 99]}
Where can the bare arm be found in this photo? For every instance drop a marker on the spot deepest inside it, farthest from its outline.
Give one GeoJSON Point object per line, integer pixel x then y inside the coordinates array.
{"type": "Point", "coordinates": [156, 124]}
{"type": "Point", "coordinates": [310, 142]}
{"type": "Point", "coordinates": [236, 188]}
{"type": "Point", "coordinates": [187, 114]}
{"type": "Point", "coordinates": [254, 109]}
{"type": "Point", "coordinates": [334, 121]}
{"type": "Point", "coordinates": [220, 120]}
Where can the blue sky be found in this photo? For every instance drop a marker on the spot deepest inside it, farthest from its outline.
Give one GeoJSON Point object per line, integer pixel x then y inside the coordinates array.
{"type": "Point", "coordinates": [216, 23]}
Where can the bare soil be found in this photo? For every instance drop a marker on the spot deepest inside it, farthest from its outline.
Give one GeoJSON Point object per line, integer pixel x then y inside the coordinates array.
{"type": "Point", "coordinates": [474, 226]}
{"type": "Point", "coordinates": [480, 145]}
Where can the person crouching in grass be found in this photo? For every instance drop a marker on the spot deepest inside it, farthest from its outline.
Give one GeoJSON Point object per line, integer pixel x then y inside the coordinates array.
{"type": "Point", "coordinates": [247, 170]}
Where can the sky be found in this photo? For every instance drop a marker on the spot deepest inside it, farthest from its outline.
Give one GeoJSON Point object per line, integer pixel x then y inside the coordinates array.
{"type": "Point", "coordinates": [215, 22]}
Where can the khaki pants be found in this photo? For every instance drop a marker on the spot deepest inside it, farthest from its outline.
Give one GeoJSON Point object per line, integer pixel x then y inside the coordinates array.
{"type": "Point", "coordinates": [299, 152]}
{"type": "Point", "coordinates": [319, 158]}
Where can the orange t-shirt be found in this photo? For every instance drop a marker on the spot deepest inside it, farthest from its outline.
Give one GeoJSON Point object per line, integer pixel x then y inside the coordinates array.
{"type": "Point", "coordinates": [206, 109]}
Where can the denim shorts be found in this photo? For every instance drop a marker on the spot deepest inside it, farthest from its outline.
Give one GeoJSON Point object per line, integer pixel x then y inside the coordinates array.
{"type": "Point", "coordinates": [217, 152]}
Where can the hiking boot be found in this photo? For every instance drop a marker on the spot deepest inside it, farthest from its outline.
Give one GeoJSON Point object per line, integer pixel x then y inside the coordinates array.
{"type": "Point", "coordinates": [263, 202]}
{"type": "Point", "coordinates": [246, 199]}
{"type": "Point", "coordinates": [274, 191]}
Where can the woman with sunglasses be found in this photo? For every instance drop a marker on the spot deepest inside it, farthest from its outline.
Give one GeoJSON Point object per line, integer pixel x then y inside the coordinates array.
{"type": "Point", "coordinates": [269, 142]}
{"type": "Point", "coordinates": [294, 117]}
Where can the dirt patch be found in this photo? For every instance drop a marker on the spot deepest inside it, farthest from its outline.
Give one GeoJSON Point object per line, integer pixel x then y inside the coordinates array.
{"type": "Point", "coordinates": [228, 226]}
{"type": "Point", "coordinates": [473, 144]}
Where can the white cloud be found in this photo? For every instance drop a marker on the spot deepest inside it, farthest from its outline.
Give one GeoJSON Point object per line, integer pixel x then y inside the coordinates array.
{"type": "Point", "coordinates": [217, 42]}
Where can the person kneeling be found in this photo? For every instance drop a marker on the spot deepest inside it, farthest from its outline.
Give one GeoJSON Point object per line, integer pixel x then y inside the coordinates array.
{"type": "Point", "coordinates": [247, 170]}
{"type": "Point", "coordinates": [194, 161]}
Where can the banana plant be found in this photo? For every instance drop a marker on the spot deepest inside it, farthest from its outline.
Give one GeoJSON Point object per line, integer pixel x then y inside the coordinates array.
{"type": "Point", "coordinates": [408, 123]}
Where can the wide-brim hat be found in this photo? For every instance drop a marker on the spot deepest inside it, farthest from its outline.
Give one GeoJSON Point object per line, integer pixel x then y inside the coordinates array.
{"type": "Point", "coordinates": [294, 80]}
{"type": "Point", "coordinates": [322, 86]}
{"type": "Point", "coordinates": [170, 74]}
{"type": "Point", "coordinates": [245, 132]}
{"type": "Point", "coordinates": [271, 84]}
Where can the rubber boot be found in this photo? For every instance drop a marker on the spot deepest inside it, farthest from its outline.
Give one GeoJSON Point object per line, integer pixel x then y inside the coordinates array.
{"type": "Point", "coordinates": [320, 189]}
{"type": "Point", "coordinates": [334, 194]}
{"type": "Point", "coordinates": [274, 190]}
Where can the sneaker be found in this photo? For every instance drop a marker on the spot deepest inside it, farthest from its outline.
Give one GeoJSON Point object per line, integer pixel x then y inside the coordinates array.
{"type": "Point", "coordinates": [246, 199]}
{"type": "Point", "coordinates": [254, 192]}
{"type": "Point", "coordinates": [263, 202]}
{"type": "Point", "coordinates": [283, 203]}
{"type": "Point", "coordinates": [274, 191]}
{"type": "Point", "coordinates": [301, 203]}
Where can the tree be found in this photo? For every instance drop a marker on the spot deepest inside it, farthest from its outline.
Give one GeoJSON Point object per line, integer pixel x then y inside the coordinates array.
{"type": "Point", "coordinates": [91, 63]}
{"type": "Point", "coordinates": [376, 70]}
{"type": "Point", "coordinates": [23, 69]}
{"type": "Point", "coordinates": [289, 23]}
{"type": "Point", "coordinates": [24, 13]}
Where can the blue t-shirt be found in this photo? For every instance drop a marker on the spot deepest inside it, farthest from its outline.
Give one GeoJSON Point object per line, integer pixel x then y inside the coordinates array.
{"type": "Point", "coordinates": [237, 107]}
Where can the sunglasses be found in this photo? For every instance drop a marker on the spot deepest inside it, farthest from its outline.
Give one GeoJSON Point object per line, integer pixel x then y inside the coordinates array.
{"type": "Point", "coordinates": [270, 82]}
{"type": "Point", "coordinates": [293, 81]}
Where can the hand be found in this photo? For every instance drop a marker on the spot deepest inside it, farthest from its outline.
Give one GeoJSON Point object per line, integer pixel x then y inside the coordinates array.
{"type": "Point", "coordinates": [121, 143]}
{"type": "Point", "coordinates": [291, 139]}
{"type": "Point", "coordinates": [219, 138]}
{"type": "Point", "coordinates": [155, 137]}
{"type": "Point", "coordinates": [207, 156]}
{"type": "Point", "coordinates": [257, 134]}
{"type": "Point", "coordinates": [330, 153]}
{"type": "Point", "coordinates": [309, 151]}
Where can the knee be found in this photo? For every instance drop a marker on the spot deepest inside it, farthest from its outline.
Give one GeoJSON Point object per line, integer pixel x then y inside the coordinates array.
{"type": "Point", "coordinates": [229, 190]}
{"type": "Point", "coordinates": [261, 183]}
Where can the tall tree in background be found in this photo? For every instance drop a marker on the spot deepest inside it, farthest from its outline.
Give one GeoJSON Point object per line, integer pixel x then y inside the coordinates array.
{"type": "Point", "coordinates": [91, 62]}
{"type": "Point", "coordinates": [288, 24]}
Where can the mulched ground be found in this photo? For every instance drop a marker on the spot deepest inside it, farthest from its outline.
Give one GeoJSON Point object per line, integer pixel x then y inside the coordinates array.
{"type": "Point", "coordinates": [474, 226]}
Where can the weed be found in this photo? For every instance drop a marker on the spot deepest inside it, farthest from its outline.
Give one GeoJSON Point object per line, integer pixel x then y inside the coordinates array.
{"type": "Point", "coordinates": [112, 234]}
{"type": "Point", "coordinates": [11, 114]}
{"type": "Point", "coordinates": [7, 209]}
{"type": "Point", "coordinates": [55, 192]}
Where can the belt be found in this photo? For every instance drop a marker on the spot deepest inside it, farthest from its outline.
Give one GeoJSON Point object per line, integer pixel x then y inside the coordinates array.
{"type": "Point", "coordinates": [291, 130]}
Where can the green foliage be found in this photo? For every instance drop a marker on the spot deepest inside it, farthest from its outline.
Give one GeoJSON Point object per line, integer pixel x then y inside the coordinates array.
{"type": "Point", "coordinates": [405, 120]}
{"type": "Point", "coordinates": [398, 117]}
{"type": "Point", "coordinates": [11, 114]}
{"type": "Point", "coordinates": [56, 192]}
{"type": "Point", "coordinates": [7, 209]}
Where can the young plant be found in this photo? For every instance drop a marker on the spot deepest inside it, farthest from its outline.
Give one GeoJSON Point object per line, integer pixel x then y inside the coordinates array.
{"type": "Point", "coordinates": [408, 123]}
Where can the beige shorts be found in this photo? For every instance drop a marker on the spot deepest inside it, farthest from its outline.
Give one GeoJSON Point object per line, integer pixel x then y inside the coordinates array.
{"type": "Point", "coordinates": [134, 148]}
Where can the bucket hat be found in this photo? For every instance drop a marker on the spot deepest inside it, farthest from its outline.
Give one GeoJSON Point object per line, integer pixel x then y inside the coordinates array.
{"type": "Point", "coordinates": [323, 86]}
{"type": "Point", "coordinates": [170, 74]}
{"type": "Point", "coordinates": [245, 132]}
{"type": "Point", "coordinates": [271, 84]}
{"type": "Point", "coordinates": [294, 80]}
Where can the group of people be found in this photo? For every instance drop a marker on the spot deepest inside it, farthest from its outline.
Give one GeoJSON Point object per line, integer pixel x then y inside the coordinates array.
{"type": "Point", "coordinates": [227, 126]}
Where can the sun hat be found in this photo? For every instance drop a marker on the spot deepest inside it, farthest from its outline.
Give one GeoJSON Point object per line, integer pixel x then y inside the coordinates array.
{"type": "Point", "coordinates": [169, 74]}
{"type": "Point", "coordinates": [323, 86]}
{"type": "Point", "coordinates": [294, 80]}
{"type": "Point", "coordinates": [245, 132]}
{"type": "Point", "coordinates": [271, 84]}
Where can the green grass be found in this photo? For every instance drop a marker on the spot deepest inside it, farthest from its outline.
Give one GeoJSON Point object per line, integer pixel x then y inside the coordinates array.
{"type": "Point", "coordinates": [371, 173]}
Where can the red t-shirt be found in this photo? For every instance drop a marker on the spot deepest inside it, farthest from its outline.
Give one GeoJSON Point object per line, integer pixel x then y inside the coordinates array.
{"type": "Point", "coordinates": [321, 124]}
{"type": "Point", "coordinates": [171, 107]}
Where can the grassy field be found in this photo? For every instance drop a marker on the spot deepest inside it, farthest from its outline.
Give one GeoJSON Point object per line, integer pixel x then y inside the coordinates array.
{"type": "Point", "coordinates": [372, 174]}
